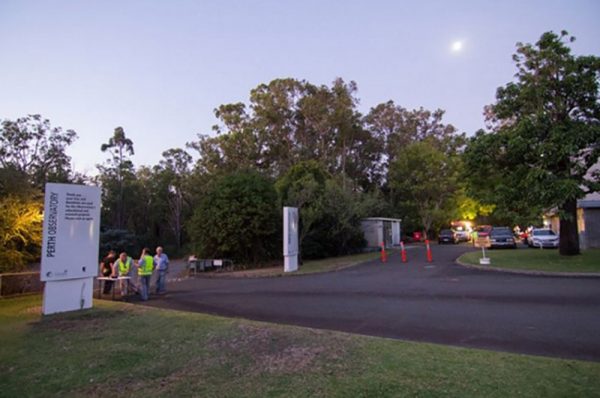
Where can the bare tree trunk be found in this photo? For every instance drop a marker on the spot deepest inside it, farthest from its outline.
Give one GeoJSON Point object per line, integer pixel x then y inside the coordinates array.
{"type": "Point", "coordinates": [569, 236]}
{"type": "Point", "coordinates": [120, 201]}
{"type": "Point", "coordinates": [344, 166]}
{"type": "Point", "coordinates": [175, 222]}
{"type": "Point", "coordinates": [426, 220]}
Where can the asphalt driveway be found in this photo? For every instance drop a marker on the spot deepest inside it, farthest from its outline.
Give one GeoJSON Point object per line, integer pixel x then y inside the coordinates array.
{"type": "Point", "coordinates": [437, 302]}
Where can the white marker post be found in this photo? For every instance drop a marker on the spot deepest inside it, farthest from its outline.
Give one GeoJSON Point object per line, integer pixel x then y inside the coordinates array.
{"type": "Point", "coordinates": [290, 239]}
{"type": "Point", "coordinates": [71, 233]}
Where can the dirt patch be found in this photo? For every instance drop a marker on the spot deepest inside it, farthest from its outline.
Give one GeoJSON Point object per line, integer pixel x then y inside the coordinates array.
{"type": "Point", "coordinates": [293, 359]}
{"type": "Point", "coordinates": [261, 349]}
{"type": "Point", "coordinates": [85, 320]}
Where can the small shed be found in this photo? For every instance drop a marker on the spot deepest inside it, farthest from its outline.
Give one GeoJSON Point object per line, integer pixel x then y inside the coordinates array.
{"type": "Point", "coordinates": [588, 221]}
{"type": "Point", "coordinates": [380, 229]}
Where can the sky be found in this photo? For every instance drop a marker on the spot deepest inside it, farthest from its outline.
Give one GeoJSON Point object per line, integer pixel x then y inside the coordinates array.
{"type": "Point", "coordinates": [160, 68]}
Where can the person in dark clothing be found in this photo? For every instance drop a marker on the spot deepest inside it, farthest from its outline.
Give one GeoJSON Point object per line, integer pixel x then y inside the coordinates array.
{"type": "Point", "coordinates": [107, 269]}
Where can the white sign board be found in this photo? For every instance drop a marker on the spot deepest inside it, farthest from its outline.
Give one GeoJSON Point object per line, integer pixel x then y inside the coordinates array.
{"type": "Point", "coordinates": [71, 235]}
{"type": "Point", "coordinates": [71, 232]}
{"type": "Point", "coordinates": [290, 238]}
{"type": "Point", "coordinates": [483, 242]}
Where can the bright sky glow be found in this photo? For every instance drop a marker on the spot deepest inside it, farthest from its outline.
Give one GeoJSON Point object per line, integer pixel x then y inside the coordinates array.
{"type": "Point", "coordinates": [159, 68]}
{"type": "Point", "coordinates": [457, 46]}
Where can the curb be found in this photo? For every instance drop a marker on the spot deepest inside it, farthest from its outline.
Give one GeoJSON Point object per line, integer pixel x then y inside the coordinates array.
{"type": "Point", "coordinates": [225, 275]}
{"type": "Point", "coordinates": [590, 275]}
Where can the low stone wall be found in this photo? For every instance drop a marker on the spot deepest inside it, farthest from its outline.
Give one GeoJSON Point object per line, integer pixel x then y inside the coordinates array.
{"type": "Point", "coordinates": [18, 283]}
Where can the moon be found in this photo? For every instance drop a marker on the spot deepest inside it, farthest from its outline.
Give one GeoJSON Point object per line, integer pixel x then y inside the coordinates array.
{"type": "Point", "coordinates": [457, 46]}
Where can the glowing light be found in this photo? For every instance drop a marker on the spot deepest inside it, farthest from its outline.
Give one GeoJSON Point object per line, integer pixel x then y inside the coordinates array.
{"type": "Point", "coordinates": [457, 46]}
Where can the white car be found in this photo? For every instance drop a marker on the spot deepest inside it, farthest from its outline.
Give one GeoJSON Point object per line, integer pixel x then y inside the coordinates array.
{"type": "Point", "coordinates": [462, 235]}
{"type": "Point", "coordinates": [542, 237]}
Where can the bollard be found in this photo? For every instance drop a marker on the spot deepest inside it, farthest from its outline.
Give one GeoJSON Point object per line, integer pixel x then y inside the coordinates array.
{"type": "Point", "coordinates": [403, 252]}
{"type": "Point", "coordinates": [429, 257]}
{"type": "Point", "coordinates": [383, 253]}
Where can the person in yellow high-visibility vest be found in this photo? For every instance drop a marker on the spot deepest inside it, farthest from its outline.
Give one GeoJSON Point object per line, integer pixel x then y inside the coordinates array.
{"type": "Point", "coordinates": [123, 268]}
{"type": "Point", "coordinates": [145, 266]}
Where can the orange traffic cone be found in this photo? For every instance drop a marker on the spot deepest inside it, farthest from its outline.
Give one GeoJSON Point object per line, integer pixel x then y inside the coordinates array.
{"type": "Point", "coordinates": [429, 258]}
{"type": "Point", "coordinates": [383, 253]}
{"type": "Point", "coordinates": [403, 252]}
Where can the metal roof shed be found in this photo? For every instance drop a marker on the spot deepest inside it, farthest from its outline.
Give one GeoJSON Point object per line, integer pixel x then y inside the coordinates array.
{"type": "Point", "coordinates": [381, 229]}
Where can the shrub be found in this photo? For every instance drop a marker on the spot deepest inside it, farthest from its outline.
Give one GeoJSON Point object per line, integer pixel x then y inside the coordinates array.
{"type": "Point", "coordinates": [118, 240]}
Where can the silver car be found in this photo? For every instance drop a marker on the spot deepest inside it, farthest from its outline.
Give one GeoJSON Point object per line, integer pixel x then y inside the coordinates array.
{"type": "Point", "coordinates": [542, 237]}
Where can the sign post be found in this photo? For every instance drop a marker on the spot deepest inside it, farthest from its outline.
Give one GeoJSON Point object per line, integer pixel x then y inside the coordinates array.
{"type": "Point", "coordinates": [71, 234]}
{"type": "Point", "coordinates": [290, 239]}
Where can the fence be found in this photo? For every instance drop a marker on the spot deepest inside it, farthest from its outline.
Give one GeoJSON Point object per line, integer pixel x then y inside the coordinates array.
{"type": "Point", "coordinates": [18, 283]}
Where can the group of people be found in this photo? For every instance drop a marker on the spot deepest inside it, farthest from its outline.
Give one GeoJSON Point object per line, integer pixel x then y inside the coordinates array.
{"type": "Point", "coordinates": [146, 265]}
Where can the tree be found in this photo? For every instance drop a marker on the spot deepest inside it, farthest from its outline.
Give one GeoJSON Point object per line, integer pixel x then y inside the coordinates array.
{"type": "Point", "coordinates": [426, 178]}
{"type": "Point", "coordinates": [119, 167]}
{"type": "Point", "coordinates": [338, 231]}
{"type": "Point", "coordinates": [356, 152]}
{"type": "Point", "coordinates": [32, 152]}
{"type": "Point", "coordinates": [276, 118]}
{"type": "Point", "coordinates": [545, 136]}
{"type": "Point", "coordinates": [289, 121]}
{"type": "Point", "coordinates": [396, 127]}
{"type": "Point", "coordinates": [30, 145]}
{"type": "Point", "coordinates": [16, 183]}
{"type": "Point", "coordinates": [303, 186]}
{"type": "Point", "coordinates": [20, 231]}
{"type": "Point", "coordinates": [468, 208]}
{"type": "Point", "coordinates": [238, 218]}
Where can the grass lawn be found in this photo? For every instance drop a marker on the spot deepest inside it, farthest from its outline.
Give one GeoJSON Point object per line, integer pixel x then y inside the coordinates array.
{"type": "Point", "coordinates": [539, 260]}
{"type": "Point", "coordinates": [309, 267]}
{"type": "Point", "coordinates": [120, 349]}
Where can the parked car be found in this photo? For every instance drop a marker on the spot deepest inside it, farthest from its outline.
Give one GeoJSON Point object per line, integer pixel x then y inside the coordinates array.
{"type": "Point", "coordinates": [502, 237]}
{"type": "Point", "coordinates": [462, 235]}
{"type": "Point", "coordinates": [542, 237]}
{"type": "Point", "coordinates": [447, 236]}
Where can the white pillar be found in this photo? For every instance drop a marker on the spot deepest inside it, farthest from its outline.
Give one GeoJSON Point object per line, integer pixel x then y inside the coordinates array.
{"type": "Point", "coordinates": [290, 239]}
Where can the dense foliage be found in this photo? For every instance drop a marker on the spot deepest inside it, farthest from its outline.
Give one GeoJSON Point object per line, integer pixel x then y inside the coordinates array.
{"type": "Point", "coordinates": [238, 218]}
{"type": "Point", "coordinates": [426, 178]}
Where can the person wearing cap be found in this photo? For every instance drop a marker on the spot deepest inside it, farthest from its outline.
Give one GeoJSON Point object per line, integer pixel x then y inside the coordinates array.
{"type": "Point", "coordinates": [161, 264]}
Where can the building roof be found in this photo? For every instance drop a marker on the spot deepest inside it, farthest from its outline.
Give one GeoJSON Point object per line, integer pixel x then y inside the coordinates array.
{"type": "Point", "coordinates": [588, 204]}
{"type": "Point", "coordinates": [381, 219]}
